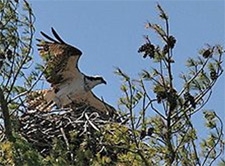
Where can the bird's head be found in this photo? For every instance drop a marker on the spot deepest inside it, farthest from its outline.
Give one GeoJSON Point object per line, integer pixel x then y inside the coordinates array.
{"type": "Point", "coordinates": [100, 79]}
{"type": "Point", "coordinates": [93, 81]}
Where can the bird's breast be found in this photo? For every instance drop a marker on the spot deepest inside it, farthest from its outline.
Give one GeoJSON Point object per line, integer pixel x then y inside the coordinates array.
{"type": "Point", "coordinates": [69, 91]}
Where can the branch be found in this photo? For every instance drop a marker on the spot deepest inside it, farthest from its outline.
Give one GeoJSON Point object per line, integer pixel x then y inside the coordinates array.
{"type": "Point", "coordinates": [6, 116]}
{"type": "Point", "coordinates": [200, 70]}
{"type": "Point", "coordinates": [220, 133]}
{"type": "Point", "coordinates": [151, 101]}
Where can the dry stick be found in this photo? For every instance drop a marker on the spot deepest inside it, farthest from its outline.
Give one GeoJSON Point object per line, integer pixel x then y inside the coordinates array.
{"type": "Point", "coordinates": [52, 126]}
{"type": "Point", "coordinates": [65, 138]}
{"type": "Point", "coordinates": [90, 122]}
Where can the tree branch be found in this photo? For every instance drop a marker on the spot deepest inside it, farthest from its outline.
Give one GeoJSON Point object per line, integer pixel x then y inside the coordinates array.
{"type": "Point", "coordinates": [6, 116]}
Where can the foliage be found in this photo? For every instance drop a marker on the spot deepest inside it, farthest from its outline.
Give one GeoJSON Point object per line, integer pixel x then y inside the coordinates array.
{"type": "Point", "coordinates": [18, 153]}
{"type": "Point", "coordinates": [157, 128]}
{"type": "Point", "coordinates": [173, 137]}
{"type": "Point", "coordinates": [16, 36]}
{"type": "Point", "coordinates": [15, 59]}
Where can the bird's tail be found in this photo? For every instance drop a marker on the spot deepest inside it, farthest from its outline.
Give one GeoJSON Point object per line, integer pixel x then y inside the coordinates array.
{"type": "Point", "coordinates": [40, 100]}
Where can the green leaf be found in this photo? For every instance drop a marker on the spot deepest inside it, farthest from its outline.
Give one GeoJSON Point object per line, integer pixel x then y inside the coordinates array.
{"type": "Point", "coordinates": [146, 75]}
{"type": "Point", "coordinates": [159, 30]}
{"type": "Point", "coordinates": [191, 62]}
{"type": "Point", "coordinates": [121, 73]}
{"type": "Point", "coordinates": [123, 88]}
{"type": "Point", "coordinates": [139, 95]}
{"type": "Point", "coordinates": [162, 13]}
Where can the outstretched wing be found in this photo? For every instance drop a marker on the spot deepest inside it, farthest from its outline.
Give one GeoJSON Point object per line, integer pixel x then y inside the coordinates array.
{"type": "Point", "coordinates": [41, 100]}
{"type": "Point", "coordinates": [60, 58]}
{"type": "Point", "coordinates": [93, 101]}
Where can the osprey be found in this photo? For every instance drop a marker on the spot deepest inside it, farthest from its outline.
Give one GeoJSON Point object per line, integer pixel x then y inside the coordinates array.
{"type": "Point", "coordinates": [68, 84]}
{"type": "Point", "coordinates": [41, 100]}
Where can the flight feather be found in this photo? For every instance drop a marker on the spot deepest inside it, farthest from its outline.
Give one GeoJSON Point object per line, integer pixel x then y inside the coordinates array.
{"type": "Point", "coordinates": [60, 58]}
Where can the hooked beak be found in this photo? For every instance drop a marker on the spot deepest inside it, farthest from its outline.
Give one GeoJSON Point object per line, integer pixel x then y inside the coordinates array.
{"type": "Point", "coordinates": [104, 82]}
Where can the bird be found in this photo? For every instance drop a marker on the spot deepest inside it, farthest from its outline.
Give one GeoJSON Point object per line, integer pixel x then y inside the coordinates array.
{"type": "Point", "coordinates": [68, 84]}
{"type": "Point", "coordinates": [41, 100]}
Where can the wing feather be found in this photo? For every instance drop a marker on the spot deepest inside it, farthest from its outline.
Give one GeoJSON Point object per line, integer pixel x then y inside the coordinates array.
{"type": "Point", "coordinates": [48, 37]}
{"type": "Point", "coordinates": [60, 59]}
{"type": "Point", "coordinates": [93, 101]}
{"type": "Point", "coordinates": [57, 36]}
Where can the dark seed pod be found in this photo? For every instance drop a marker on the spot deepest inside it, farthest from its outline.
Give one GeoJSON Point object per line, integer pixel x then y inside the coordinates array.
{"type": "Point", "coordinates": [173, 102]}
{"type": "Point", "coordinates": [150, 131]}
{"type": "Point", "coordinates": [148, 49]}
{"type": "Point", "coordinates": [161, 95]}
{"type": "Point", "coordinates": [142, 48]}
{"type": "Point", "coordinates": [9, 54]}
{"type": "Point", "coordinates": [171, 42]}
{"type": "Point", "coordinates": [2, 56]}
{"type": "Point", "coordinates": [207, 53]}
{"type": "Point", "coordinates": [172, 99]}
{"type": "Point", "coordinates": [143, 134]}
{"type": "Point", "coordinates": [166, 49]}
{"type": "Point", "coordinates": [189, 99]}
{"type": "Point", "coordinates": [213, 75]}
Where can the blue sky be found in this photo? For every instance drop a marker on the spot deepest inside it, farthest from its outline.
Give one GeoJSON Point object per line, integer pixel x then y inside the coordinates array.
{"type": "Point", "coordinates": [110, 32]}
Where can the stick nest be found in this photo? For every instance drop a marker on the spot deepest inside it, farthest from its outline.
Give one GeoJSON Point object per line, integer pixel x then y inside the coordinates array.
{"type": "Point", "coordinates": [74, 127]}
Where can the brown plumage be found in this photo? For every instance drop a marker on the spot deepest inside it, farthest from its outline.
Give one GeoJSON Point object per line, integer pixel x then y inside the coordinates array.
{"type": "Point", "coordinates": [43, 100]}
{"type": "Point", "coordinates": [40, 100]}
{"type": "Point", "coordinates": [69, 85]}
{"type": "Point", "coordinates": [91, 100]}
{"type": "Point", "coordinates": [60, 59]}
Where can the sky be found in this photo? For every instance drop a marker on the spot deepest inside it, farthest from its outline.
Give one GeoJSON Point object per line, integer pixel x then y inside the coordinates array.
{"type": "Point", "coordinates": [109, 34]}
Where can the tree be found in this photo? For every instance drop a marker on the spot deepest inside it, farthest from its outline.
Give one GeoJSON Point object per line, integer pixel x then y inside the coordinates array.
{"type": "Point", "coordinates": [16, 79]}
{"type": "Point", "coordinates": [15, 52]}
{"type": "Point", "coordinates": [156, 127]}
{"type": "Point", "coordinates": [173, 137]}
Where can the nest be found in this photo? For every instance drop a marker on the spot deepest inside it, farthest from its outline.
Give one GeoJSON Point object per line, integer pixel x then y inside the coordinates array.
{"type": "Point", "coordinates": [72, 126]}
